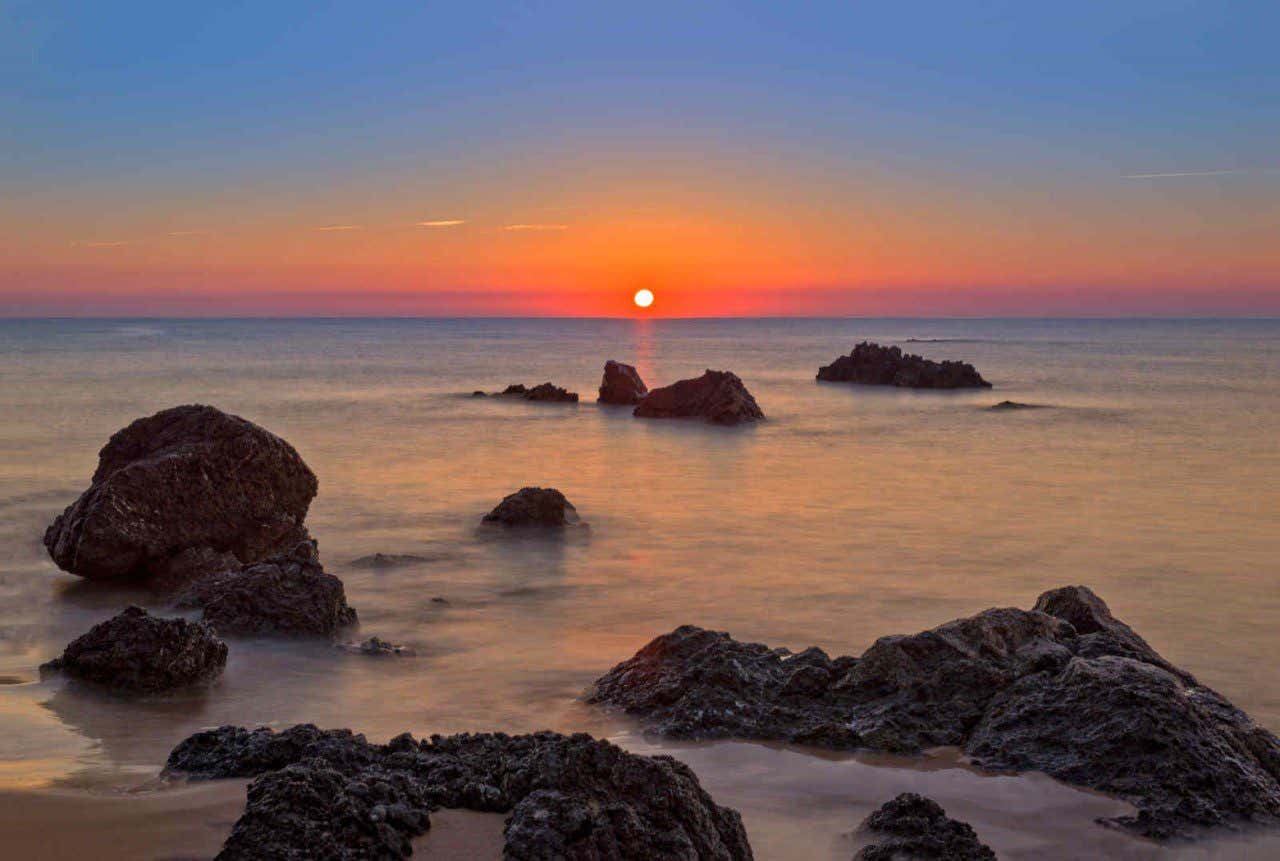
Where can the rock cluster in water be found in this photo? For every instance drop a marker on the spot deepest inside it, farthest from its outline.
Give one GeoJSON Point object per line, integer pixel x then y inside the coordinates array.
{"type": "Point", "coordinates": [545, 392]}
{"type": "Point", "coordinates": [534, 506]}
{"type": "Point", "coordinates": [139, 653]}
{"type": "Point", "coordinates": [621, 385]}
{"type": "Point", "coordinates": [717, 396]}
{"type": "Point", "coordinates": [1064, 688]}
{"type": "Point", "coordinates": [190, 478]}
{"type": "Point", "coordinates": [569, 797]}
{"type": "Point", "coordinates": [914, 827]}
{"type": "Point", "coordinates": [873, 365]}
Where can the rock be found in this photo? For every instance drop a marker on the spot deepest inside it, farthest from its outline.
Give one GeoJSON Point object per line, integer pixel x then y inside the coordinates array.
{"type": "Point", "coordinates": [1014, 405]}
{"type": "Point", "coordinates": [873, 365]}
{"type": "Point", "coordinates": [514, 389]}
{"type": "Point", "coordinates": [717, 396]}
{"type": "Point", "coordinates": [913, 826]}
{"type": "Point", "coordinates": [187, 477]}
{"type": "Point", "coordinates": [180, 570]}
{"type": "Point", "coordinates": [376, 647]}
{"type": "Point", "coordinates": [478, 394]}
{"type": "Point", "coordinates": [140, 653]}
{"type": "Point", "coordinates": [287, 595]}
{"type": "Point", "coordinates": [534, 506]}
{"type": "Point", "coordinates": [621, 384]}
{"type": "Point", "coordinates": [383, 561]}
{"type": "Point", "coordinates": [569, 797]}
{"type": "Point", "coordinates": [551, 394]}
{"type": "Point", "coordinates": [1065, 688]}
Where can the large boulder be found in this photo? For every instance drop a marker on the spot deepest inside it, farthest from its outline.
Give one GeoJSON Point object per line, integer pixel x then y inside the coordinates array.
{"type": "Point", "coordinates": [914, 827]}
{"type": "Point", "coordinates": [286, 595]}
{"type": "Point", "coordinates": [717, 396]}
{"type": "Point", "coordinates": [139, 653]}
{"type": "Point", "coordinates": [187, 477]}
{"type": "Point", "coordinates": [873, 365]}
{"type": "Point", "coordinates": [569, 797]}
{"type": "Point", "coordinates": [621, 385]}
{"type": "Point", "coordinates": [543, 507]}
{"type": "Point", "coordinates": [1065, 688]}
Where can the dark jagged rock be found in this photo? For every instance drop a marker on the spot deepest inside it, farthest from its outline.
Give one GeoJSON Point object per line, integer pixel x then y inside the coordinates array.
{"type": "Point", "coordinates": [717, 396]}
{"type": "Point", "coordinates": [551, 394]}
{"type": "Point", "coordinates": [515, 389]}
{"type": "Point", "coordinates": [1065, 688]}
{"type": "Point", "coordinates": [534, 506]}
{"type": "Point", "coordinates": [376, 647]}
{"type": "Point", "coordinates": [140, 653]}
{"type": "Point", "coordinates": [287, 595]}
{"type": "Point", "coordinates": [621, 384]}
{"type": "Point", "coordinates": [570, 797]}
{"type": "Point", "coordinates": [1005, 406]}
{"type": "Point", "coordinates": [873, 365]}
{"type": "Point", "coordinates": [189, 566]}
{"type": "Point", "coordinates": [186, 477]}
{"type": "Point", "coordinates": [914, 827]}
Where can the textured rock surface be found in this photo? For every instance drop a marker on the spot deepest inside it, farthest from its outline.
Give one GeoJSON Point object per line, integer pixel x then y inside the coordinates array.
{"type": "Point", "coordinates": [286, 595]}
{"type": "Point", "coordinates": [717, 396]}
{"type": "Point", "coordinates": [187, 477]}
{"type": "Point", "coordinates": [551, 394]}
{"type": "Point", "coordinates": [912, 826]}
{"type": "Point", "coordinates": [140, 653]}
{"type": "Point", "coordinates": [1065, 688]}
{"type": "Point", "coordinates": [569, 797]}
{"type": "Point", "coordinates": [621, 384]}
{"type": "Point", "coordinates": [534, 506]}
{"type": "Point", "coordinates": [873, 365]}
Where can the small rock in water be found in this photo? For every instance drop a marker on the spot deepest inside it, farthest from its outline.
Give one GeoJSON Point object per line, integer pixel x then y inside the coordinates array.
{"type": "Point", "coordinates": [621, 384]}
{"type": "Point", "coordinates": [376, 647]}
{"type": "Point", "coordinates": [534, 506]}
{"type": "Point", "coordinates": [388, 560]}
{"type": "Point", "coordinates": [141, 653]}
{"type": "Point", "coordinates": [717, 396]}
{"type": "Point", "coordinates": [478, 394]}
{"type": "Point", "coordinates": [913, 826]}
{"type": "Point", "coordinates": [1014, 405]}
{"type": "Point", "coordinates": [546, 392]}
{"type": "Point", "coordinates": [515, 389]}
{"type": "Point", "coordinates": [439, 600]}
{"type": "Point", "coordinates": [873, 365]}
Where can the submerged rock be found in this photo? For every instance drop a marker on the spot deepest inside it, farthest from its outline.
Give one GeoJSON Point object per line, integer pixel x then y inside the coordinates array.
{"type": "Point", "coordinates": [873, 365]}
{"type": "Point", "coordinates": [382, 561]}
{"type": "Point", "coordinates": [286, 595]}
{"type": "Point", "coordinates": [569, 796]}
{"type": "Point", "coordinates": [717, 396]}
{"type": "Point", "coordinates": [1065, 688]}
{"type": "Point", "coordinates": [185, 478]}
{"type": "Point", "coordinates": [534, 506]}
{"type": "Point", "coordinates": [140, 653]}
{"type": "Point", "coordinates": [621, 384]}
{"type": "Point", "coordinates": [914, 827]}
{"type": "Point", "coordinates": [1014, 405]}
{"type": "Point", "coordinates": [376, 647]}
{"type": "Point", "coordinates": [551, 394]}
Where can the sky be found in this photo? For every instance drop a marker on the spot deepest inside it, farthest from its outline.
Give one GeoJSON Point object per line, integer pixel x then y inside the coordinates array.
{"type": "Point", "coordinates": [546, 159]}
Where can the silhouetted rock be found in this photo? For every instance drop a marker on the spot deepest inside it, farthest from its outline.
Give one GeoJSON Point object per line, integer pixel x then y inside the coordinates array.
{"type": "Point", "coordinates": [185, 478]}
{"type": "Point", "coordinates": [534, 506]}
{"type": "Point", "coordinates": [515, 389]}
{"type": "Point", "coordinates": [286, 595]}
{"type": "Point", "coordinates": [376, 647]}
{"type": "Point", "coordinates": [873, 365]}
{"type": "Point", "coordinates": [1065, 688]}
{"type": "Point", "coordinates": [550, 394]}
{"type": "Point", "coordinates": [914, 827]}
{"type": "Point", "coordinates": [478, 394]}
{"type": "Point", "coordinates": [1014, 405]}
{"type": "Point", "coordinates": [140, 653]}
{"type": "Point", "coordinates": [717, 396]}
{"type": "Point", "coordinates": [621, 384]}
{"type": "Point", "coordinates": [570, 797]}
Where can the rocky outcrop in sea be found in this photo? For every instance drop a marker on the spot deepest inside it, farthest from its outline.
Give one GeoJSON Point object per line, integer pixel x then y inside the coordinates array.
{"type": "Point", "coordinates": [543, 507]}
{"type": "Point", "coordinates": [621, 385]}
{"type": "Point", "coordinates": [717, 396]}
{"type": "Point", "coordinates": [914, 827]}
{"type": "Point", "coordinates": [873, 365]}
{"type": "Point", "coordinates": [543, 392]}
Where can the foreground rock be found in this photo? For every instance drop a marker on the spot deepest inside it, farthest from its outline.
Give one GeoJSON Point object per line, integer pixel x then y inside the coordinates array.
{"type": "Point", "coordinates": [140, 653]}
{"type": "Point", "coordinates": [286, 595]}
{"type": "Point", "coordinates": [569, 797]}
{"type": "Point", "coordinates": [185, 478]}
{"type": "Point", "coordinates": [873, 365]}
{"type": "Point", "coordinates": [912, 826]}
{"type": "Point", "coordinates": [717, 396]}
{"type": "Point", "coordinates": [621, 385]}
{"type": "Point", "coordinates": [543, 507]}
{"type": "Point", "coordinates": [1065, 688]}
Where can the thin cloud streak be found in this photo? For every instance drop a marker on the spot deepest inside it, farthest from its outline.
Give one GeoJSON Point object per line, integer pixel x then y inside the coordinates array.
{"type": "Point", "coordinates": [1174, 174]}
{"type": "Point", "coordinates": [536, 227]}
{"type": "Point", "coordinates": [332, 227]}
{"type": "Point", "coordinates": [109, 244]}
{"type": "Point", "coordinates": [452, 223]}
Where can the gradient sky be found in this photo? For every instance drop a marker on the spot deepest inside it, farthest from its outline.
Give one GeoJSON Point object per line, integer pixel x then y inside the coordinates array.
{"type": "Point", "coordinates": [551, 158]}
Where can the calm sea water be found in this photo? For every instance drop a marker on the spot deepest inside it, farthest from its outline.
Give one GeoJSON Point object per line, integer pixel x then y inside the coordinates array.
{"type": "Point", "coordinates": [851, 513]}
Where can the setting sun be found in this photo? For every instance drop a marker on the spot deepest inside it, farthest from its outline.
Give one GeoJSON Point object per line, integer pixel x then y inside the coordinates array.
{"type": "Point", "coordinates": [644, 298]}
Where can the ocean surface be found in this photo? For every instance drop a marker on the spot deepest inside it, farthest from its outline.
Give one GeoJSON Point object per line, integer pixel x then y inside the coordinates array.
{"type": "Point", "coordinates": [1153, 476]}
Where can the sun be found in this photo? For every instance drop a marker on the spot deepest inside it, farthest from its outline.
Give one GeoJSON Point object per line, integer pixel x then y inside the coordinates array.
{"type": "Point", "coordinates": [644, 298]}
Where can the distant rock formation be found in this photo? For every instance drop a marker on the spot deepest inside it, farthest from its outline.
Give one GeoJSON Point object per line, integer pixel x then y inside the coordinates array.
{"type": "Point", "coordinates": [717, 396]}
{"type": "Point", "coordinates": [621, 385]}
{"type": "Point", "coordinates": [912, 826]}
{"type": "Point", "coordinates": [569, 797]}
{"type": "Point", "coordinates": [184, 479]}
{"type": "Point", "coordinates": [1065, 688]}
{"type": "Point", "coordinates": [551, 394]}
{"type": "Point", "coordinates": [286, 595]}
{"type": "Point", "coordinates": [1014, 405]}
{"type": "Point", "coordinates": [139, 653]}
{"type": "Point", "coordinates": [873, 365]}
{"type": "Point", "coordinates": [534, 506]}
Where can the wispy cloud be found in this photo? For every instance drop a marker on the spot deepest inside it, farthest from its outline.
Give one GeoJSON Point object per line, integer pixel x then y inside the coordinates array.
{"type": "Point", "coordinates": [331, 227]}
{"type": "Point", "coordinates": [447, 223]}
{"type": "Point", "coordinates": [190, 232]}
{"type": "Point", "coordinates": [116, 243]}
{"type": "Point", "coordinates": [1180, 173]}
{"type": "Point", "coordinates": [536, 227]}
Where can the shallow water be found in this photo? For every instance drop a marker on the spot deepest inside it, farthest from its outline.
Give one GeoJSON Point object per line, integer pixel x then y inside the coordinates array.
{"type": "Point", "coordinates": [851, 513]}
